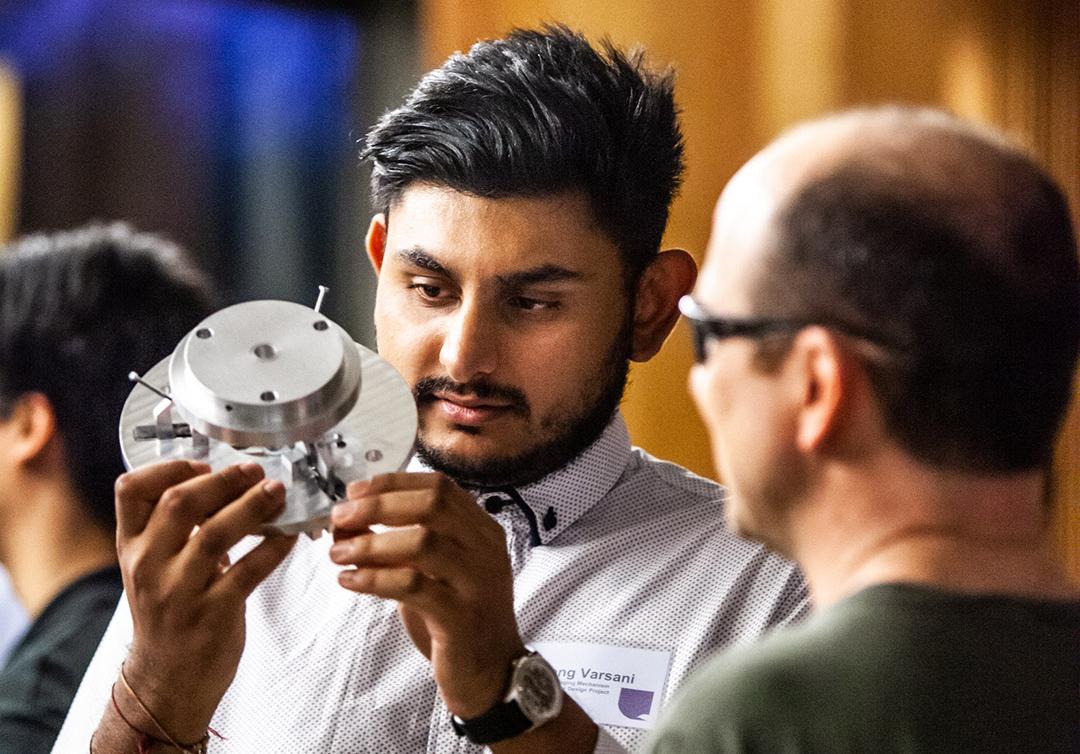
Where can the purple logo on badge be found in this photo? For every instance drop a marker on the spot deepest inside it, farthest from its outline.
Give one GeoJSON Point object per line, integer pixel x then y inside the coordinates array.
{"type": "Point", "coordinates": [635, 703]}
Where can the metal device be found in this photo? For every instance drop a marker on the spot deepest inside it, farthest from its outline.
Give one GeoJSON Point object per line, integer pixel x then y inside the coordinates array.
{"type": "Point", "coordinates": [279, 384]}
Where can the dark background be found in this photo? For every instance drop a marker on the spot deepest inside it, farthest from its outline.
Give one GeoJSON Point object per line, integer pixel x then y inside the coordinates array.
{"type": "Point", "coordinates": [231, 127]}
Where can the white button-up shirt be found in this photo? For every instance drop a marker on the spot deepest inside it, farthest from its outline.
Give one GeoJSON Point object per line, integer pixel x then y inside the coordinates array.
{"type": "Point", "coordinates": [632, 555]}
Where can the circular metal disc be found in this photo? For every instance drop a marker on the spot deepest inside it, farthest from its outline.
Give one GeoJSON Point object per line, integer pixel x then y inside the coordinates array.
{"type": "Point", "coordinates": [381, 426]}
{"type": "Point", "coordinates": [263, 373]}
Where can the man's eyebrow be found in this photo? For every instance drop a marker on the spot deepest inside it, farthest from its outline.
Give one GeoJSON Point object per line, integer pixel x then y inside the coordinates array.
{"type": "Point", "coordinates": [547, 273]}
{"type": "Point", "coordinates": [417, 257]}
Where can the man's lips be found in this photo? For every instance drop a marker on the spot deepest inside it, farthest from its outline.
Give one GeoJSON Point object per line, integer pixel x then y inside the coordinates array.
{"type": "Point", "coordinates": [472, 402]}
{"type": "Point", "coordinates": [469, 410]}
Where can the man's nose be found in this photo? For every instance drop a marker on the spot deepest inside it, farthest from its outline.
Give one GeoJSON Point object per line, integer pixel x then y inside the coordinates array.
{"type": "Point", "coordinates": [470, 344]}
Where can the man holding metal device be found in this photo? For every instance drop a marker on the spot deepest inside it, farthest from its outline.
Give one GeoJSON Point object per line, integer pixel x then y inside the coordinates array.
{"type": "Point", "coordinates": [524, 190]}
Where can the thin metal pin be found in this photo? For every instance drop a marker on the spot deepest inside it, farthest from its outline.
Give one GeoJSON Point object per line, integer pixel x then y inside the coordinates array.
{"type": "Point", "coordinates": [134, 377]}
{"type": "Point", "coordinates": [322, 293]}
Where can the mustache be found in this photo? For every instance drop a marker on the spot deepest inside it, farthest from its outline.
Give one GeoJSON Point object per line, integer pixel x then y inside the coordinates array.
{"type": "Point", "coordinates": [426, 387]}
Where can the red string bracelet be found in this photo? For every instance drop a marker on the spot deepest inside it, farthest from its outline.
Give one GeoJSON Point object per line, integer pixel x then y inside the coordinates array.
{"type": "Point", "coordinates": [199, 747]}
{"type": "Point", "coordinates": [145, 739]}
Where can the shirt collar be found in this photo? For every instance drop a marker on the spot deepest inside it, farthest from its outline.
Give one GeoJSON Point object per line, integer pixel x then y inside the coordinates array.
{"type": "Point", "coordinates": [563, 496]}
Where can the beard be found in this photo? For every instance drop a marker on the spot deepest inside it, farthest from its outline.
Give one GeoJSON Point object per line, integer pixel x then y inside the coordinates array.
{"type": "Point", "coordinates": [563, 436]}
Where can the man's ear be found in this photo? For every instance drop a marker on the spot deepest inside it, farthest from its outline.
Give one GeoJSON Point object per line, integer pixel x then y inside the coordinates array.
{"type": "Point", "coordinates": [376, 241]}
{"type": "Point", "coordinates": [28, 428]}
{"type": "Point", "coordinates": [656, 309]}
{"type": "Point", "coordinates": [825, 374]}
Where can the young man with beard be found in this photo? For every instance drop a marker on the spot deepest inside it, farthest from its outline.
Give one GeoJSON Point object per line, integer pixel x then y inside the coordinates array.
{"type": "Point", "coordinates": [79, 310]}
{"type": "Point", "coordinates": [524, 189]}
{"type": "Point", "coordinates": [887, 323]}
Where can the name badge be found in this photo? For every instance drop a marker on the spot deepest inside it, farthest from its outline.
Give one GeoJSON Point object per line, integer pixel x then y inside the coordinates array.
{"type": "Point", "coordinates": [614, 685]}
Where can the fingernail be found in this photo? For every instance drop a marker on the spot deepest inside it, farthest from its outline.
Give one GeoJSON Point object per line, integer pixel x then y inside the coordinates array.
{"type": "Point", "coordinates": [358, 489]}
{"type": "Point", "coordinates": [339, 551]}
{"type": "Point", "coordinates": [273, 487]}
{"type": "Point", "coordinates": [342, 511]}
{"type": "Point", "coordinates": [250, 469]}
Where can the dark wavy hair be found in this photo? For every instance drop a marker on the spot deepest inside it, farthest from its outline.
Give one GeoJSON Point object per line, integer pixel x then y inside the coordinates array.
{"type": "Point", "coordinates": [535, 114]}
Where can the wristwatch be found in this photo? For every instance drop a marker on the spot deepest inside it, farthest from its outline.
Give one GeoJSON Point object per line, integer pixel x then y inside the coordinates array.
{"type": "Point", "coordinates": [534, 698]}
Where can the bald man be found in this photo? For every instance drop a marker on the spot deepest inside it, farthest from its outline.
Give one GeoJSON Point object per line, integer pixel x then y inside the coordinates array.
{"type": "Point", "coordinates": [887, 327]}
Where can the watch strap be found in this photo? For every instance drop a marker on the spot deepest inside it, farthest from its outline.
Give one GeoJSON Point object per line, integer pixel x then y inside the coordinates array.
{"type": "Point", "coordinates": [504, 720]}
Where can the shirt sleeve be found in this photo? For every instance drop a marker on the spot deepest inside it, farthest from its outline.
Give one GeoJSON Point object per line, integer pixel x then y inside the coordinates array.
{"type": "Point", "coordinates": [93, 694]}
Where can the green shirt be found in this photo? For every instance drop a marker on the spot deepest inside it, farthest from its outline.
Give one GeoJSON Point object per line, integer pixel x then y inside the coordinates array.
{"type": "Point", "coordinates": [43, 671]}
{"type": "Point", "coordinates": [894, 668]}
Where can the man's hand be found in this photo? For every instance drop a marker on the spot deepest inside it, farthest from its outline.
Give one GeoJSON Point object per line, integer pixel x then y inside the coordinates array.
{"type": "Point", "coordinates": [187, 601]}
{"type": "Point", "coordinates": [445, 562]}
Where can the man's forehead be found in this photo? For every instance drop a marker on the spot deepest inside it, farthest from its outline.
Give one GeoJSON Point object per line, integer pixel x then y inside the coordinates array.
{"type": "Point", "coordinates": [421, 198]}
{"type": "Point", "coordinates": [511, 234]}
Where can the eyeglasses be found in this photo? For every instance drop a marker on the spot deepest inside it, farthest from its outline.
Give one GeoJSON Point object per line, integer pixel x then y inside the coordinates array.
{"type": "Point", "coordinates": [705, 327]}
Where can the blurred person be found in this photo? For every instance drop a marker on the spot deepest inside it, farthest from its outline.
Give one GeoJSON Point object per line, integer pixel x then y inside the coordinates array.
{"type": "Point", "coordinates": [887, 325]}
{"type": "Point", "coordinates": [79, 310]}
{"type": "Point", "coordinates": [523, 191]}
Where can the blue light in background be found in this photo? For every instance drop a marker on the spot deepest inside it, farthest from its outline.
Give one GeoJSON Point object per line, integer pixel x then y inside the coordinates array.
{"type": "Point", "coordinates": [228, 125]}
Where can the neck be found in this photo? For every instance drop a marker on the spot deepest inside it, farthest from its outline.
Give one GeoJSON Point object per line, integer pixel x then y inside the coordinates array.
{"type": "Point", "coordinates": [49, 541]}
{"type": "Point", "coordinates": [947, 530]}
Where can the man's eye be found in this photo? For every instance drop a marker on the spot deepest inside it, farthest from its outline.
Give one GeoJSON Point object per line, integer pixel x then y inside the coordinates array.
{"type": "Point", "coordinates": [427, 291]}
{"type": "Point", "coordinates": [533, 304]}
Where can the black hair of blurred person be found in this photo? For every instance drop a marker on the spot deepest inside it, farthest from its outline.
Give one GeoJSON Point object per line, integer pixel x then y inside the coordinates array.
{"type": "Point", "coordinates": [959, 248]}
{"type": "Point", "coordinates": [540, 113]}
{"type": "Point", "coordinates": [79, 310]}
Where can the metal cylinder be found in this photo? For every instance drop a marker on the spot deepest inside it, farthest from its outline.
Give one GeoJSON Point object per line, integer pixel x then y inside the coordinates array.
{"type": "Point", "coordinates": [266, 374]}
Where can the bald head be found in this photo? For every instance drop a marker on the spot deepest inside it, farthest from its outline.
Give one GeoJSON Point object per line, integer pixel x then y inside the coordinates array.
{"type": "Point", "coordinates": [978, 182]}
{"type": "Point", "coordinates": [951, 244]}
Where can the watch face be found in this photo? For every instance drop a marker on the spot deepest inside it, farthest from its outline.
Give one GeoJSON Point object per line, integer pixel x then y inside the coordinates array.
{"type": "Point", "coordinates": [538, 690]}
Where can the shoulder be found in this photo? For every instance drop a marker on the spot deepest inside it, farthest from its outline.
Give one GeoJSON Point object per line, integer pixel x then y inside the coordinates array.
{"type": "Point", "coordinates": [675, 520]}
{"type": "Point", "coordinates": [786, 658]}
{"type": "Point", "coordinates": [81, 612]}
{"type": "Point", "coordinates": [735, 702]}
{"type": "Point", "coordinates": [672, 481]}
{"type": "Point", "coordinates": [677, 505]}
{"type": "Point", "coordinates": [759, 697]}
{"type": "Point", "coordinates": [45, 667]}
{"type": "Point", "coordinates": [857, 644]}
{"type": "Point", "coordinates": [664, 508]}
{"type": "Point", "coordinates": [651, 489]}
